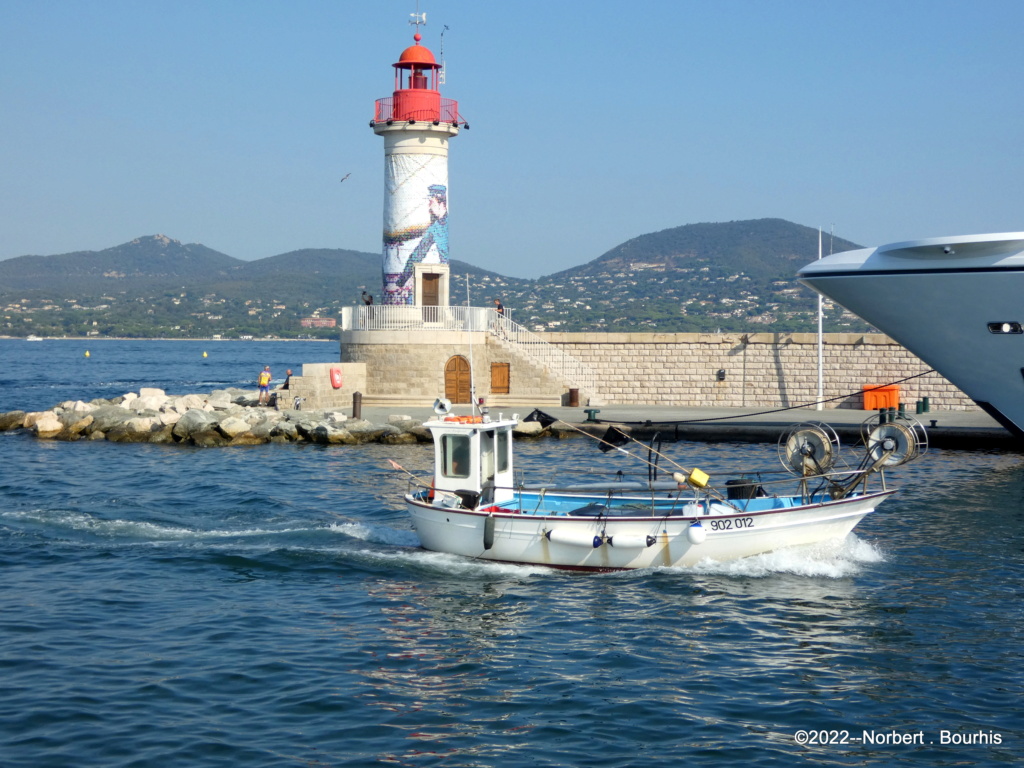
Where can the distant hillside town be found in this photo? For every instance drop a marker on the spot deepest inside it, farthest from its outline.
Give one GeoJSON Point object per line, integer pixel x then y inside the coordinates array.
{"type": "Point", "coordinates": [730, 277]}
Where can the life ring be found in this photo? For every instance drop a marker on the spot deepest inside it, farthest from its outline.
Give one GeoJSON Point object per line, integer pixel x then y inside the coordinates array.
{"type": "Point", "coordinates": [336, 378]}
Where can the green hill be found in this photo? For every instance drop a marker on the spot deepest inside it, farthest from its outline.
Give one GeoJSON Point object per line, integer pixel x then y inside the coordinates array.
{"type": "Point", "coordinates": [734, 276]}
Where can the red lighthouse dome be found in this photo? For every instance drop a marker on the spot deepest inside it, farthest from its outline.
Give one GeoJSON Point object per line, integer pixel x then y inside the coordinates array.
{"type": "Point", "coordinates": [417, 56]}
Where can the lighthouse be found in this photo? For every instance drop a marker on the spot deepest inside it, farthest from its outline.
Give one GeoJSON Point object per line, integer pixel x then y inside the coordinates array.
{"type": "Point", "coordinates": [416, 124]}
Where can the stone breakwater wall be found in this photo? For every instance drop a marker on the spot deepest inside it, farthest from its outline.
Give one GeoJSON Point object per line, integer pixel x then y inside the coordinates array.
{"type": "Point", "coordinates": [224, 417]}
{"type": "Point", "coordinates": [753, 370]}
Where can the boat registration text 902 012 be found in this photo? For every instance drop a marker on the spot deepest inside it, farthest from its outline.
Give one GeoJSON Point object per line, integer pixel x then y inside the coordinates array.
{"type": "Point", "coordinates": [731, 524]}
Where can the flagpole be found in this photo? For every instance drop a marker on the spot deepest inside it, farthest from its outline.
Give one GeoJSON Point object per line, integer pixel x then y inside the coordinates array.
{"type": "Point", "coordinates": [821, 349]}
{"type": "Point", "coordinates": [472, 373]}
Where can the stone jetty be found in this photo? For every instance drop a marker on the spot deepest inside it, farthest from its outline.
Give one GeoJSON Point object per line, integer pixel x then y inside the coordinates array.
{"type": "Point", "coordinates": [223, 417]}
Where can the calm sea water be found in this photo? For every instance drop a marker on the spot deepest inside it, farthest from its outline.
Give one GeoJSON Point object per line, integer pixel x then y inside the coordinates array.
{"type": "Point", "coordinates": [269, 606]}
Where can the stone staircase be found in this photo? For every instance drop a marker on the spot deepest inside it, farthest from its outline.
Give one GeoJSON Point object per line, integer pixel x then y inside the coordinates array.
{"type": "Point", "coordinates": [519, 340]}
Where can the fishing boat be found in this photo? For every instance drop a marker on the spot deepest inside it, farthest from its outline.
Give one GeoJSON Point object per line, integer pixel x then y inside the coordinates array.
{"type": "Point", "coordinates": [477, 505]}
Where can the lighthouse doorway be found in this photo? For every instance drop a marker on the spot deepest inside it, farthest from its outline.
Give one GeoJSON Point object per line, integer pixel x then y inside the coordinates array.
{"type": "Point", "coordinates": [457, 380]}
{"type": "Point", "coordinates": [431, 290]}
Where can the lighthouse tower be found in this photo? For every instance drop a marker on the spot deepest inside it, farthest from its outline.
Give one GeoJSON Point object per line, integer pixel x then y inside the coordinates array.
{"type": "Point", "coordinates": [416, 124]}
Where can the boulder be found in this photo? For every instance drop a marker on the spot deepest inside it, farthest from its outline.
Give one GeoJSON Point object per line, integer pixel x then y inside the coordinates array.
{"type": "Point", "coordinates": [220, 399]}
{"type": "Point", "coordinates": [76, 406]}
{"type": "Point", "coordinates": [148, 403]}
{"type": "Point", "coordinates": [242, 396]}
{"type": "Point", "coordinates": [151, 392]}
{"type": "Point", "coordinates": [162, 434]}
{"type": "Point", "coordinates": [527, 429]}
{"type": "Point", "coordinates": [47, 424]}
{"type": "Point", "coordinates": [169, 417]}
{"type": "Point", "coordinates": [247, 438]}
{"type": "Point", "coordinates": [32, 417]}
{"type": "Point", "coordinates": [193, 421]}
{"type": "Point", "coordinates": [325, 434]}
{"type": "Point", "coordinates": [74, 430]}
{"type": "Point", "coordinates": [233, 426]}
{"type": "Point", "coordinates": [207, 437]}
{"type": "Point", "coordinates": [106, 417]}
{"type": "Point", "coordinates": [135, 430]}
{"type": "Point", "coordinates": [398, 438]}
{"type": "Point", "coordinates": [12, 420]}
{"type": "Point", "coordinates": [421, 433]}
{"type": "Point", "coordinates": [263, 430]}
{"type": "Point", "coordinates": [365, 432]}
{"type": "Point", "coordinates": [284, 430]}
{"type": "Point", "coordinates": [185, 403]}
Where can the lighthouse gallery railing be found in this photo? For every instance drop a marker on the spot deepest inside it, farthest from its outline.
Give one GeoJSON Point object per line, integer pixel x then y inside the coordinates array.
{"type": "Point", "coordinates": [448, 112]}
{"type": "Point", "coordinates": [454, 318]}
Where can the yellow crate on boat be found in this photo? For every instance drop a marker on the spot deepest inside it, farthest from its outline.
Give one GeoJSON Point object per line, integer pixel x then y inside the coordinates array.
{"type": "Point", "coordinates": [698, 478]}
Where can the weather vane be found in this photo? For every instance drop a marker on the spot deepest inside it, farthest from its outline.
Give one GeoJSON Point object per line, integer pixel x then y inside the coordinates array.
{"type": "Point", "coordinates": [418, 18]}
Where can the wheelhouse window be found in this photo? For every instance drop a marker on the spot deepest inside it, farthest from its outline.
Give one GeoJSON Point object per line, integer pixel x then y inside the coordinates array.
{"type": "Point", "coordinates": [487, 456]}
{"type": "Point", "coordinates": [502, 450]}
{"type": "Point", "coordinates": [455, 455]}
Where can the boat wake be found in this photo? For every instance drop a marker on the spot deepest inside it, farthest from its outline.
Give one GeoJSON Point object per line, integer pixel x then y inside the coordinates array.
{"type": "Point", "coordinates": [835, 559]}
{"type": "Point", "coordinates": [55, 523]}
{"type": "Point", "coordinates": [377, 534]}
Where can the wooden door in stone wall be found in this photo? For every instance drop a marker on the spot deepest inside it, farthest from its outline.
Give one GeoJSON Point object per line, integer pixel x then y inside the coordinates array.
{"type": "Point", "coordinates": [500, 378]}
{"type": "Point", "coordinates": [456, 380]}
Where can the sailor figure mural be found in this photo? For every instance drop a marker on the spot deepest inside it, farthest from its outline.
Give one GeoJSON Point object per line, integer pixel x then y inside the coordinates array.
{"type": "Point", "coordinates": [416, 124]}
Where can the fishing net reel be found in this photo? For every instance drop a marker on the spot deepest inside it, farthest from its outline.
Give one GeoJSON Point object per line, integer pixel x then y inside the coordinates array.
{"type": "Point", "coordinates": [809, 449]}
{"type": "Point", "coordinates": [895, 441]}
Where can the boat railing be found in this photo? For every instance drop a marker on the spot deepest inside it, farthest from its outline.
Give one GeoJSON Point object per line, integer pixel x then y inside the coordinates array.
{"type": "Point", "coordinates": [741, 492]}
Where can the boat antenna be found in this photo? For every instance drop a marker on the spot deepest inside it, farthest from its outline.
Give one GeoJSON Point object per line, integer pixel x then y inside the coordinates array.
{"type": "Point", "coordinates": [444, 67]}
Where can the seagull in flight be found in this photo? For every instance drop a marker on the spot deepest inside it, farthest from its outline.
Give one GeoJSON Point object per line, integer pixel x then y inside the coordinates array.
{"type": "Point", "coordinates": [346, 176]}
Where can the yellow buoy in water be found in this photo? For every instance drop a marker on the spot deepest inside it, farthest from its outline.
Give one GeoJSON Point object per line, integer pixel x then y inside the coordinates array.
{"type": "Point", "coordinates": [204, 354]}
{"type": "Point", "coordinates": [87, 353]}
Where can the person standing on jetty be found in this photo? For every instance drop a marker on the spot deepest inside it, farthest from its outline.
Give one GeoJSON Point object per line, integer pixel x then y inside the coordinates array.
{"type": "Point", "coordinates": [499, 311]}
{"type": "Point", "coordinates": [263, 381]}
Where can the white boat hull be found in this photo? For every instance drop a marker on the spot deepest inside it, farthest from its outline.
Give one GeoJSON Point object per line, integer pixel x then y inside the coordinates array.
{"type": "Point", "coordinates": [938, 299]}
{"type": "Point", "coordinates": [567, 542]}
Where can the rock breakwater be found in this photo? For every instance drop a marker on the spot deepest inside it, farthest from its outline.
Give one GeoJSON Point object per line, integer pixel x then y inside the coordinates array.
{"type": "Point", "coordinates": [223, 417]}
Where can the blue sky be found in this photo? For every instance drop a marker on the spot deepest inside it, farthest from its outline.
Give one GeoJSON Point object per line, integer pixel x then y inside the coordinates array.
{"type": "Point", "coordinates": [231, 122]}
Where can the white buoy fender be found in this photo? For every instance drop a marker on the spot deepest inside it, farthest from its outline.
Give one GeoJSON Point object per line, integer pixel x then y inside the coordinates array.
{"type": "Point", "coordinates": [575, 538]}
{"type": "Point", "coordinates": [696, 533]}
{"type": "Point", "coordinates": [621, 541]}
{"type": "Point", "coordinates": [489, 532]}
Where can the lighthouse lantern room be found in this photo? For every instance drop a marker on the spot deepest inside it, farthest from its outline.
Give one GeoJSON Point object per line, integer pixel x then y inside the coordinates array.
{"type": "Point", "coordinates": [416, 124]}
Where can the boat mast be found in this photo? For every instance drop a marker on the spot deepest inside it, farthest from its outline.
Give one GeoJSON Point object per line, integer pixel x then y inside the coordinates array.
{"type": "Point", "coordinates": [821, 352]}
{"type": "Point", "coordinates": [472, 371]}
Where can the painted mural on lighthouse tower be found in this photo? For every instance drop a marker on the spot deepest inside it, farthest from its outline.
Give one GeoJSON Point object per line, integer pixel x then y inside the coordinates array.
{"type": "Point", "coordinates": [416, 124]}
